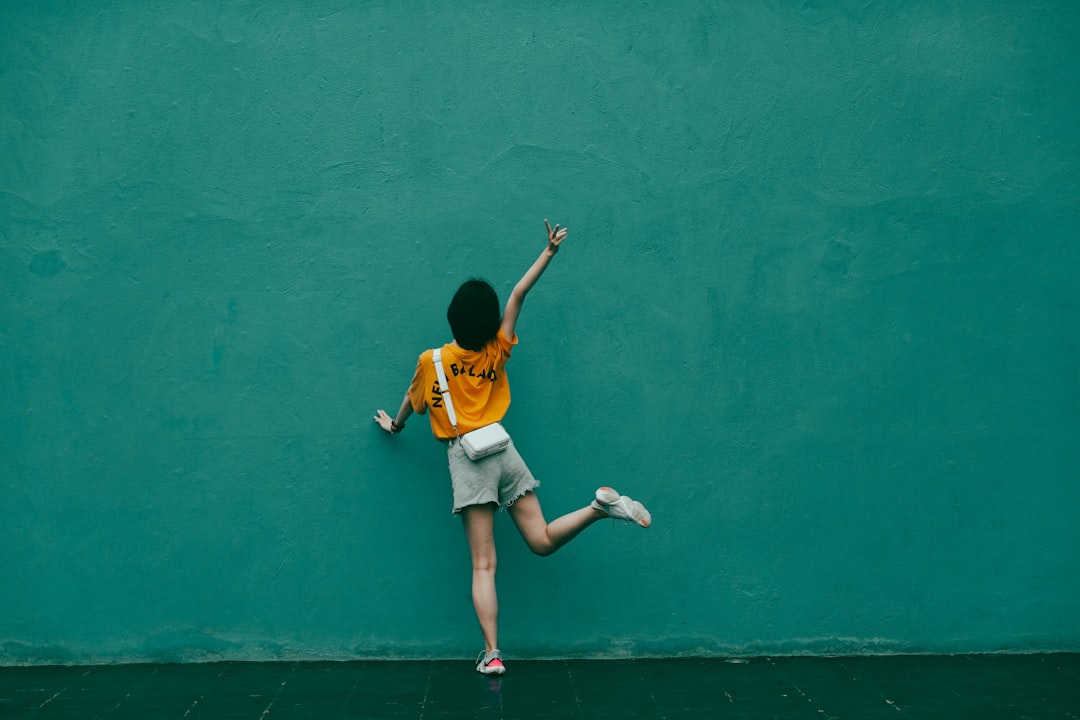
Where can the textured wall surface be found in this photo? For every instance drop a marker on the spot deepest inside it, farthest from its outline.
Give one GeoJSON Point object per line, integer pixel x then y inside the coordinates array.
{"type": "Point", "coordinates": [818, 309]}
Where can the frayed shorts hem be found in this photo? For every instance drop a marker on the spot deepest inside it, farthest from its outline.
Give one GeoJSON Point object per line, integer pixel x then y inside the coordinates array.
{"type": "Point", "coordinates": [501, 507]}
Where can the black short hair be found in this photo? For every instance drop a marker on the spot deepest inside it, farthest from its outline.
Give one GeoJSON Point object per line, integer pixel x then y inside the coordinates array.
{"type": "Point", "coordinates": [474, 314]}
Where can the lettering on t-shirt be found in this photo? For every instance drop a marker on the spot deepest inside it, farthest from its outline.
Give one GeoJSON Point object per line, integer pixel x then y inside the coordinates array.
{"type": "Point", "coordinates": [489, 374]}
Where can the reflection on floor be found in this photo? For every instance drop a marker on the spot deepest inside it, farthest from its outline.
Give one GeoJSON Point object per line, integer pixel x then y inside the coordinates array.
{"type": "Point", "coordinates": [894, 687]}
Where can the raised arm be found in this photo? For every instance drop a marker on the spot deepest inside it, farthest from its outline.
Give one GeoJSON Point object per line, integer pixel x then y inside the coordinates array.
{"type": "Point", "coordinates": [517, 295]}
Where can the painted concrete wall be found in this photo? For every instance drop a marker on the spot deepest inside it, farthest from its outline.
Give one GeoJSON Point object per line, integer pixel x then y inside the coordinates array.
{"type": "Point", "coordinates": [818, 309]}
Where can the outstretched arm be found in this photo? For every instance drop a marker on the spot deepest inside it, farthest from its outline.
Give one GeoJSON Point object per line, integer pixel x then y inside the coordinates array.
{"type": "Point", "coordinates": [397, 423]}
{"type": "Point", "coordinates": [517, 295]}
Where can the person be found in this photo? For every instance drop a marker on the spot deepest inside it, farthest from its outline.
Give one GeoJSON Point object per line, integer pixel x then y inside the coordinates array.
{"type": "Point", "coordinates": [474, 363]}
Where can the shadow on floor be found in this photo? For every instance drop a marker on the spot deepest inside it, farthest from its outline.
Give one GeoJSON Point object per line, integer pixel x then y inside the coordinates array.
{"type": "Point", "coordinates": [895, 687]}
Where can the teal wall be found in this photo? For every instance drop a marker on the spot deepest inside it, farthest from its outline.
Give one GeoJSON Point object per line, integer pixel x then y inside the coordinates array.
{"type": "Point", "coordinates": [818, 309]}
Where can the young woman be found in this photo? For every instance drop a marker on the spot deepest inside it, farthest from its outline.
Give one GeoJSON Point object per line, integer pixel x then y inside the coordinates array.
{"type": "Point", "coordinates": [474, 365]}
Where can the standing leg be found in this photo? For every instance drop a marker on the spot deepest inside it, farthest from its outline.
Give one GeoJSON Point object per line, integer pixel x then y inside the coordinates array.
{"type": "Point", "coordinates": [542, 537]}
{"type": "Point", "coordinates": [479, 529]}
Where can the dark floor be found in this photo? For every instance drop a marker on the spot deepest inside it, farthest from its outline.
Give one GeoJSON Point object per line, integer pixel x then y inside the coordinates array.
{"type": "Point", "coordinates": [895, 687]}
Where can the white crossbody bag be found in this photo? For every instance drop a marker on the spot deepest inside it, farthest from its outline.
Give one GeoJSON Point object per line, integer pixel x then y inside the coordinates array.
{"type": "Point", "coordinates": [478, 443]}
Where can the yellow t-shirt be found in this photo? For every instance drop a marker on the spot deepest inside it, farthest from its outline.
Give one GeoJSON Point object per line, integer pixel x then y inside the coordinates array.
{"type": "Point", "coordinates": [478, 385]}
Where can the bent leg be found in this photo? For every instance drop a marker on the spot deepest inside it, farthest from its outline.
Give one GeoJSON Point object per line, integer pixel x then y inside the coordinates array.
{"type": "Point", "coordinates": [479, 523]}
{"type": "Point", "coordinates": [542, 537]}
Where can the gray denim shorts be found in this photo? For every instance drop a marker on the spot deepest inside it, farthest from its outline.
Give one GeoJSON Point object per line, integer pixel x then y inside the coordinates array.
{"type": "Point", "coordinates": [501, 478]}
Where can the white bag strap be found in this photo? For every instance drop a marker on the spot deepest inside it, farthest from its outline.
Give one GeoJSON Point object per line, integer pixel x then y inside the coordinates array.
{"type": "Point", "coordinates": [444, 388]}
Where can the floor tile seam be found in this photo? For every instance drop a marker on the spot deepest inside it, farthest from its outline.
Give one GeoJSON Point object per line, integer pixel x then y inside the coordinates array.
{"type": "Point", "coordinates": [821, 706]}
{"type": "Point", "coordinates": [884, 695]}
{"type": "Point", "coordinates": [427, 689]}
{"type": "Point", "coordinates": [277, 693]}
{"type": "Point", "coordinates": [573, 690]}
{"type": "Point", "coordinates": [64, 689]}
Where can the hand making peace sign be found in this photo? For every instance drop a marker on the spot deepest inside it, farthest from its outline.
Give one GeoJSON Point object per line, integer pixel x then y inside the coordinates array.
{"type": "Point", "coordinates": [555, 237]}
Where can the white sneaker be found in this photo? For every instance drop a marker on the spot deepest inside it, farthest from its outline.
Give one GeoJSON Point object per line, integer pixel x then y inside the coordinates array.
{"type": "Point", "coordinates": [490, 663]}
{"type": "Point", "coordinates": [621, 507]}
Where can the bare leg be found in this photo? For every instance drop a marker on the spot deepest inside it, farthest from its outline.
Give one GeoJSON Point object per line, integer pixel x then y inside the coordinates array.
{"type": "Point", "coordinates": [542, 537]}
{"type": "Point", "coordinates": [479, 522]}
